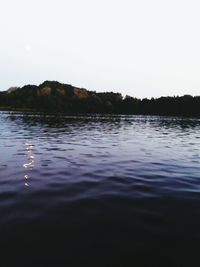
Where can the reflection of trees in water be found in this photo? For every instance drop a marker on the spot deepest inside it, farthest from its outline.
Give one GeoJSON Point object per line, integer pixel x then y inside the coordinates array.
{"type": "Point", "coordinates": [62, 121]}
{"type": "Point", "coordinates": [30, 161]}
{"type": "Point", "coordinates": [178, 123]}
{"type": "Point", "coordinates": [68, 123]}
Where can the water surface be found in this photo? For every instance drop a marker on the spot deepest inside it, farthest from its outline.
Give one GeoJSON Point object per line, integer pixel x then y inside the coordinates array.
{"type": "Point", "coordinates": [99, 190]}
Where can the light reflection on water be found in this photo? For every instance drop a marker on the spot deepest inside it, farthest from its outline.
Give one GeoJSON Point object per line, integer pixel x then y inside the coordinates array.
{"type": "Point", "coordinates": [29, 165]}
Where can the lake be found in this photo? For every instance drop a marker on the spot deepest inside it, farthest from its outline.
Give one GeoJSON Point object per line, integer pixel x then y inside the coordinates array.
{"type": "Point", "coordinates": [99, 190]}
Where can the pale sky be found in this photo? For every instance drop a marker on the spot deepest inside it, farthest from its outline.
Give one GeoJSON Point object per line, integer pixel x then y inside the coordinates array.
{"type": "Point", "coordinates": [143, 48]}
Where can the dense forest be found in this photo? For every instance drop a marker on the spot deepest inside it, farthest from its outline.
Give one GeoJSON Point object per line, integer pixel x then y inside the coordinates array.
{"type": "Point", "coordinates": [53, 96]}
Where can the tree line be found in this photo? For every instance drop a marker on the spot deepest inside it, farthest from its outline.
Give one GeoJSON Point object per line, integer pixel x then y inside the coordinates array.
{"type": "Point", "coordinates": [57, 97]}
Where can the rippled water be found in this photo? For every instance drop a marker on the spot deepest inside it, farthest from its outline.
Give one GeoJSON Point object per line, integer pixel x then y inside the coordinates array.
{"type": "Point", "coordinates": [99, 190]}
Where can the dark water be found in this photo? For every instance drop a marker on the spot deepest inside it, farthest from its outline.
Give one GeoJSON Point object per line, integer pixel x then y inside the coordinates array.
{"type": "Point", "coordinates": [99, 191]}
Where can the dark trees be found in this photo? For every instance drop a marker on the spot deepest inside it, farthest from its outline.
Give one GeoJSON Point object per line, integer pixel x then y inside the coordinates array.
{"type": "Point", "coordinates": [57, 97]}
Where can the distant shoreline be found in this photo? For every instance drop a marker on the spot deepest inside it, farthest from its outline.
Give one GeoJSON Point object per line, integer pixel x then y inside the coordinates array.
{"type": "Point", "coordinates": [55, 97]}
{"type": "Point", "coordinates": [46, 112]}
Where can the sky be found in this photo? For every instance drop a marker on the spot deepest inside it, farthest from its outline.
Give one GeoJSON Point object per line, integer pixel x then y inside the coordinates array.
{"type": "Point", "coordinates": [143, 48]}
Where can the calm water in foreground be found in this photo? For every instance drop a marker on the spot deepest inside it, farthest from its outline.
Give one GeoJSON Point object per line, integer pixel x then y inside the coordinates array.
{"type": "Point", "coordinates": [99, 190]}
